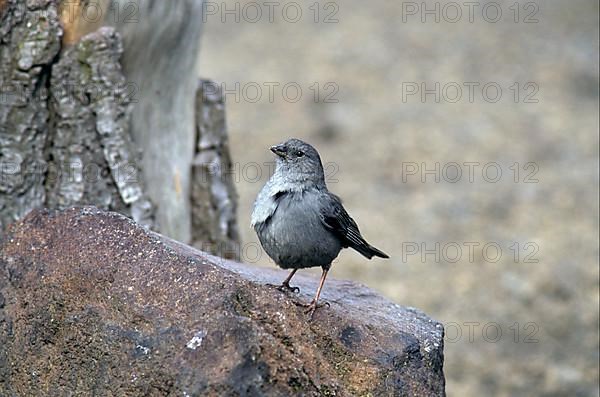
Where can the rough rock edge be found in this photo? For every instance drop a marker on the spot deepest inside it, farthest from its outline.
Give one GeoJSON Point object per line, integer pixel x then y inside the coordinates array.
{"type": "Point", "coordinates": [333, 355]}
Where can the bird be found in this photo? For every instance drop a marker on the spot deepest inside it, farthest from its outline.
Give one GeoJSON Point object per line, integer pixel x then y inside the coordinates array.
{"type": "Point", "coordinates": [299, 222]}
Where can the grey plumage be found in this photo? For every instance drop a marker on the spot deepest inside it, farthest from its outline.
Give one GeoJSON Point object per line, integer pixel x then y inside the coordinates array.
{"type": "Point", "coordinates": [298, 221]}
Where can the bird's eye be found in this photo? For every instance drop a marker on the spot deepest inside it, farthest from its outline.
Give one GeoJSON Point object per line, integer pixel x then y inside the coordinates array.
{"type": "Point", "coordinates": [299, 153]}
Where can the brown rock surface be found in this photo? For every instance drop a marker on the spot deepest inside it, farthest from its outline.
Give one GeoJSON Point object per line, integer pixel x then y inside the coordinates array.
{"type": "Point", "coordinates": [93, 304]}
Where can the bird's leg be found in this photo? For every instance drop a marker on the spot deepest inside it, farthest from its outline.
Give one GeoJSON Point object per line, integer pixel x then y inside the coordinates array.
{"type": "Point", "coordinates": [312, 306]}
{"type": "Point", "coordinates": [285, 286]}
{"type": "Point", "coordinates": [286, 283]}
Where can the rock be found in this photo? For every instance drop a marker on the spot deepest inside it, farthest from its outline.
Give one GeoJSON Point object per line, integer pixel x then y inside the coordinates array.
{"type": "Point", "coordinates": [93, 304]}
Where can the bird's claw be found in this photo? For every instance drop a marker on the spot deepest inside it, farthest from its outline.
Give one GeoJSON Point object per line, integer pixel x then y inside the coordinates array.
{"type": "Point", "coordinates": [313, 306]}
{"type": "Point", "coordinates": [288, 288]}
{"type": "Point", "coordinates": [285, 288]}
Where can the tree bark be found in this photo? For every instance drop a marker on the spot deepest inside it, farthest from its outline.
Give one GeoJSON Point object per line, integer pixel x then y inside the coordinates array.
{"type": "Point", "coordinates": [214, 199]}
{"type": "Point", "coordinates": [90, 146]}
{"type": "Point", "coordinates": [161, 61]}
{"type": "Point", "coordinates": [77, 128]}
{"type": "Point", "coordinates": [29, 42]}
{"type": "Point", "coordinates": [64, 136]}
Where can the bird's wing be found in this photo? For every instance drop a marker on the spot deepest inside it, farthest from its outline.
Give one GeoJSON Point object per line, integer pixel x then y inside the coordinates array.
{"type": "Point", "coordinates": [336, 219]}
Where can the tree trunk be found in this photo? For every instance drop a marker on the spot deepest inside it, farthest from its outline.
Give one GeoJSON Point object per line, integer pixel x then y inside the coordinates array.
{"type": "Point", "coordinates": [161, 61]}
{"type": "Point", "coordinates": [29, 42]}
{"type": "Point", "coordinates": [63, 122]}
{"type": "Point", "coordinates": [214, 199]}
{"type": "Point", "coordinates": [76, 128]}
{"type": "Point", "coordinates": [90, 146]}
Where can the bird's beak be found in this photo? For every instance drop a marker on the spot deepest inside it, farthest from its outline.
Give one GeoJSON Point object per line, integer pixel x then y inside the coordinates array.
{"type": "Point", "coordinates": [279, 150]}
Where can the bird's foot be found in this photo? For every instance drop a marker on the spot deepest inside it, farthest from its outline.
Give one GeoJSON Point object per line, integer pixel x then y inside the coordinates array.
{"type": "Point", "coordinates": [285, 287]}
{"type": "Point", "coordinates": [312, 307]}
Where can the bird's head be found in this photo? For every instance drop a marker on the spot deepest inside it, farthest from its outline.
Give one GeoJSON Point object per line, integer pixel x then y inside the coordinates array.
{"type": "Point", "coordinates": [298, 161]}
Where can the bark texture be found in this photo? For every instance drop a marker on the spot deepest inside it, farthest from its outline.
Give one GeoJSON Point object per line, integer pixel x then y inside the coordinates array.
{"type": "Point", "coordinates": [64, 136]}
{"type": "Point", "coordinates": [214, 198]}
{"type": "Point", "coordinates": [161, 41]}
{"type": "Point", "coordinates": [90, 146]}
{"type": "Point", "coordinates": [93, 304]}
{"type": "Point", "coordinates": [30, 36]}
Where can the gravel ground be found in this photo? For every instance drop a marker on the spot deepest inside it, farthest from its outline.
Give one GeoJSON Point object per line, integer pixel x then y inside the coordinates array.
{"type": "Point", "coordinates": [509, 262]}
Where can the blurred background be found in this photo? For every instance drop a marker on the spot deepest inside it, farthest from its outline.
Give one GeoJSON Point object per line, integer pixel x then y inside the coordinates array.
{"type": "Point", "coordinates": [463, 140]}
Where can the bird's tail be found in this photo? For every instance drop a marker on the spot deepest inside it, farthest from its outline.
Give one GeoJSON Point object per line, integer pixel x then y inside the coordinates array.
{"type": "Point", "coordinates": [368, 251]}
